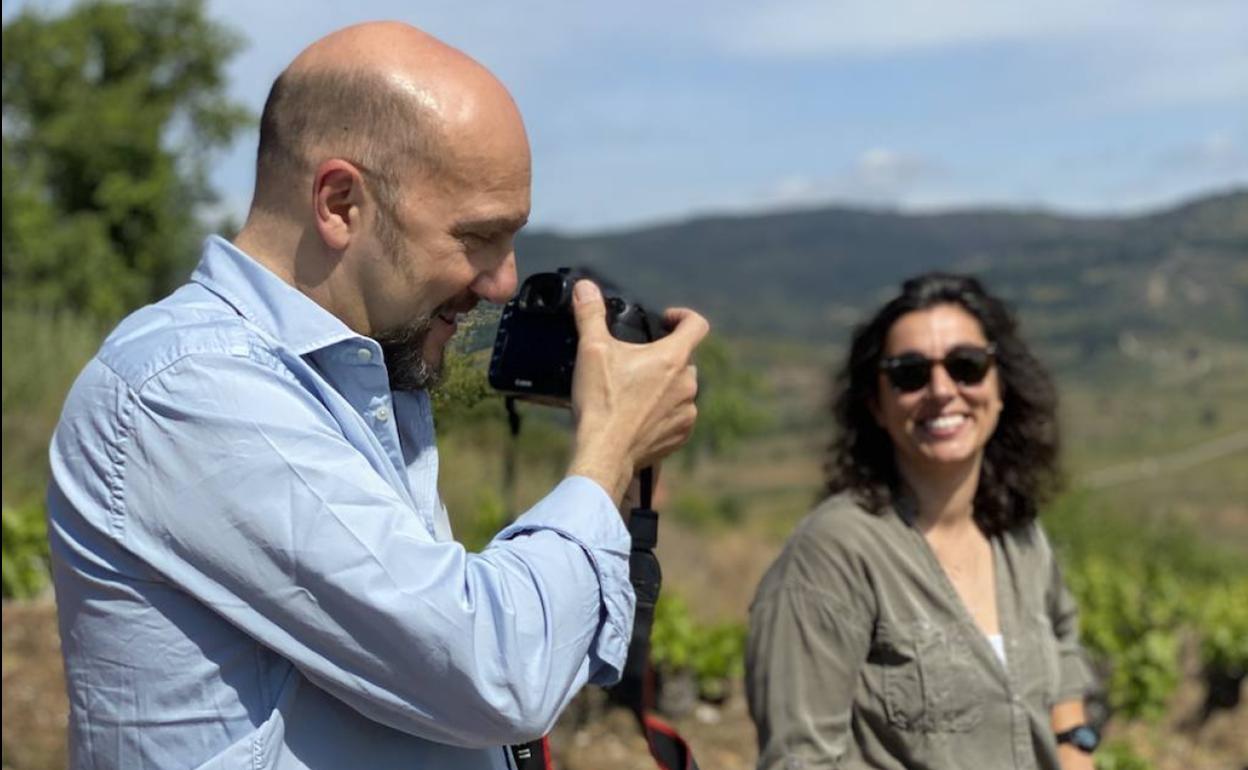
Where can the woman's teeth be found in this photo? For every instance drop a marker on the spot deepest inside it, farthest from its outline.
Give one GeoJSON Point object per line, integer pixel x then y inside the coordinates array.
{"type": "Point", "coordinates": [944, 423]}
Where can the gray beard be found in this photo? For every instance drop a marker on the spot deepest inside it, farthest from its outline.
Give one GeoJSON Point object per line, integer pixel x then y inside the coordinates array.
{"type": "Point", "coordinates": [403, 350]}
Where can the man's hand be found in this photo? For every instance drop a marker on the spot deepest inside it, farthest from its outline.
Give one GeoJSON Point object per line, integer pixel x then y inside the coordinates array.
{"type": "Point", "coordinates": [633, 404]}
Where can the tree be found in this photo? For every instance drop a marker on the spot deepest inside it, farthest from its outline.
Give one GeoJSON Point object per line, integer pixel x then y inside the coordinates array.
{"type": "Point", "coordinates": [110, 114]}
{"type": "Point", "coordinates": [111, 111]}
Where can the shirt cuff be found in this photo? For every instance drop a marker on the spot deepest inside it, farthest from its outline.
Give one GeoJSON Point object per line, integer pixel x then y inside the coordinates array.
{"type": "Point", "coordinates": [581, 511]}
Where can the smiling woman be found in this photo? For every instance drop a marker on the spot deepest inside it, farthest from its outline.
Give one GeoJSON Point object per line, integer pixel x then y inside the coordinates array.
{"type": "Point", "coordinates": [939, 411]}
{"type": "Point", "coordinates": [922, 598]}
{"type": "Point", "coordinates": [954, 319]}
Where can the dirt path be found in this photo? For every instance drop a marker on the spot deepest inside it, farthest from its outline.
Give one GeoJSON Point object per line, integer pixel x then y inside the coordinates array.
{"type": "Point", "coordinates": [1151, 467]}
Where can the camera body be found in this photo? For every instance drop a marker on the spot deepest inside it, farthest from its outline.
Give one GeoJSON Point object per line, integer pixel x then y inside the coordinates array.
{"type": "Point", "coordinates": [535, 349]}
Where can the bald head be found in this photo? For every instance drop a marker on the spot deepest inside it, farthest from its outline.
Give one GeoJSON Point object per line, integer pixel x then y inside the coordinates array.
{"type": "Point", "coordinates": [392, 177]}
{"type": "Point", "coordinates": [385, 96]}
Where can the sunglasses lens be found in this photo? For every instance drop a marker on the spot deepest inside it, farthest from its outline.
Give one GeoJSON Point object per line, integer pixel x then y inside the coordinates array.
{"type": "Point", "coordinates": [909, 373]}
{"type": "Point", "coordinates": [968, 366]}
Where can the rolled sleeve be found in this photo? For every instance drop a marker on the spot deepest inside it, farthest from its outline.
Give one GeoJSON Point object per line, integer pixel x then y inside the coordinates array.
{"type": "Point", "coordinates": [1075, 675]}
{"type": "Point", "coordinates": [580, 510]}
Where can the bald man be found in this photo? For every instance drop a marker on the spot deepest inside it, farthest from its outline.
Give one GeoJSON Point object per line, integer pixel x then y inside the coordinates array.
{"type": "Point", "coordinates": [253, 568]}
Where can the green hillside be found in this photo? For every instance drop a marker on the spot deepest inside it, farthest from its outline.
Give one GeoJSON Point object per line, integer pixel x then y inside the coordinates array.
{"type": "Point", "coordinates": [1080, 283]}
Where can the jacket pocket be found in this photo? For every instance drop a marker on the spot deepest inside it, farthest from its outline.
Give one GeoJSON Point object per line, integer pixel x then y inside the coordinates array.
{"type": "Point", "coordinates": [930, 680]}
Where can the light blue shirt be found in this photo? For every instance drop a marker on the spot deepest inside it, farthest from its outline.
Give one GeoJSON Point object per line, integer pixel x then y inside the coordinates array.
{"type": "Point", "coordinates": [254, 570]}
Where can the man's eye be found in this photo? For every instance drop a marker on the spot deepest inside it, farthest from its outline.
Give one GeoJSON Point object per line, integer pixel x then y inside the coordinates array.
{"type": "Point", "coordinates": [474, 239]}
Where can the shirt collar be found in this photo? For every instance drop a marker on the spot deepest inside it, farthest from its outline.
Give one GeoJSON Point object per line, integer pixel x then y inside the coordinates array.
{"type": "Point", "coordinates": [266, 300]}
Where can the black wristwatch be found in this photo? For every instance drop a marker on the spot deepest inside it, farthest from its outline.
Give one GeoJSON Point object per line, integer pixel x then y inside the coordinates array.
{"type": "Point", "coordinates": [1083, 737]}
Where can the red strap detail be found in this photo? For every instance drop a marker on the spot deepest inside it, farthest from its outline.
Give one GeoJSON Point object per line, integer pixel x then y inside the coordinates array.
{"type": "Point", "coordinates": [667, 747]}
{"type": "Point", "coordinates": [655, 723]}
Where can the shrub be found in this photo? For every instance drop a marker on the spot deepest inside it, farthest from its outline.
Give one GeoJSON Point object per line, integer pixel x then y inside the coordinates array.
{"type": "Point", "coordinates": [25, 551]}
{"type": "Point", "coordinates": [713, 654]}
{"type": "Point", "coordinates": [1224, 628]}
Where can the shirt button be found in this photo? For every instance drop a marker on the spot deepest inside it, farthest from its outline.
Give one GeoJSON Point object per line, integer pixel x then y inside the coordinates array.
{"type": "Point", "coordinates": [364, 354]}
{"type": "Point", "coordinates": [382, 413]}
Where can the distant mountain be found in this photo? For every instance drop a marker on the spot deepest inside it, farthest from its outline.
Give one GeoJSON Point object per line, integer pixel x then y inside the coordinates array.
{"type": "Point", "coordinates": [810, 274]}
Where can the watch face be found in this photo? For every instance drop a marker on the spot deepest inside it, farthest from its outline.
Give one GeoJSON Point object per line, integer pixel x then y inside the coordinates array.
{"type": "Point", "coordinates": [1085, 738]}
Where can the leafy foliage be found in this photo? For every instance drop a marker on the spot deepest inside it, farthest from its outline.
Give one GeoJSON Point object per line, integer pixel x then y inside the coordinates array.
{"type": "Point", "coordinates": [110, 113]}
{"type": "Point", "coordinates": [464, 396]}
{"type": "Point", "coordinates": [1141, 591]}
{"type": "Point", "coordinates": [25, 551]}
{"type": "Point", "coordinates": [1118, 755]}
{"type": "Point", "coordinates": [714, 654]}
{"type": "Point", "coordinates": [1131, 620]}
{"type": "Point", "coordinates": [1224, 628]}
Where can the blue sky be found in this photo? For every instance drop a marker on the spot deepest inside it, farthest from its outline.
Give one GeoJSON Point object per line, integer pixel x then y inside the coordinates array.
{"type": "Point", "coordinates": [645, 111]}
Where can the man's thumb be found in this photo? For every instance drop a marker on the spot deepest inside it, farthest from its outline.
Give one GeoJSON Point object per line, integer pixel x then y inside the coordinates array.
{"type": "Point", "coordinates": [589, 309]}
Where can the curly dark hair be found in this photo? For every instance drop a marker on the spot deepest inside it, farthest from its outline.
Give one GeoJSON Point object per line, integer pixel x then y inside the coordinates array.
{"type": "Point", "coordinates": [1019, 470]}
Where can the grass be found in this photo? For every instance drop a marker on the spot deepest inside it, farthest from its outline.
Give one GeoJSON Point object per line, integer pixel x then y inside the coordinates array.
{"type": "Point", "coordinates": [43, 353]}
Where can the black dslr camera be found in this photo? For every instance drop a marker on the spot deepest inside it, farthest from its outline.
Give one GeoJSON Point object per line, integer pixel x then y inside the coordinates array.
{"type": "Point", "coordinates": [535, 350]}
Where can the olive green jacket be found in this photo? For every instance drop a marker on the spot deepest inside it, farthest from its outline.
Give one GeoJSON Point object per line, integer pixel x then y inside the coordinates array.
{"type": "Point", "coordinates": [862, 655]}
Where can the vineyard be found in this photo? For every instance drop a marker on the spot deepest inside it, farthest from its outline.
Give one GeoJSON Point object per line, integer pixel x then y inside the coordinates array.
{"type": "Point", "coordinates": [1164, 598]}
{"type": "Point", "coordinates": [108, 194]}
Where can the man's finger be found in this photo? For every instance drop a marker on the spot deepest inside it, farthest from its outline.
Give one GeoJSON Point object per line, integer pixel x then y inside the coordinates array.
{"type": "Point", "coordinates": [687, 328]}
{"type": "Point", "coordinates": [589, 309]}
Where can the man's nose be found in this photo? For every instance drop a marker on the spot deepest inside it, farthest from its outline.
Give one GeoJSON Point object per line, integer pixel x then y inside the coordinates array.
{"type": "Point", "coordinates": [498, 283]}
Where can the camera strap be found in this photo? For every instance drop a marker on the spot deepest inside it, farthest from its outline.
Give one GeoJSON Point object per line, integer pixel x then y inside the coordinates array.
{"type": "Point", "coordinates": [636, 686]}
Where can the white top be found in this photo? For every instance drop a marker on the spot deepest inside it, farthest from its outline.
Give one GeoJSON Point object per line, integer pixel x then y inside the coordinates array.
{"type": "Point", "coordinates": [998, 645]}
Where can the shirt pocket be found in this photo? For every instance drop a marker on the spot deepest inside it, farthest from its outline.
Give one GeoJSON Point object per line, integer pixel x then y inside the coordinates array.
{"type": "Point", "coordinates": [930, 680]}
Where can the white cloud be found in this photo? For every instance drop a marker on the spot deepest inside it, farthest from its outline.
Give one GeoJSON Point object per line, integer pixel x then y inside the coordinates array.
{"type": "Point", "coordinates": [649, 110]}
{"type": "Point", "coordinates": [1127, 54]}
{"type": "Point", "coordinates": [883, 169]}
{"type": "Point", "coordinates": [878, 176]}
{"type": "Point", "coordinates": [817, 28]}
{"type": "Point", "coordinates": [795, 190]}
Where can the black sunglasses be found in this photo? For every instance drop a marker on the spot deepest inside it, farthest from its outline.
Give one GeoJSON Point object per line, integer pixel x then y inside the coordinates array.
{"type": "Point", "coordinates": [965, 364]}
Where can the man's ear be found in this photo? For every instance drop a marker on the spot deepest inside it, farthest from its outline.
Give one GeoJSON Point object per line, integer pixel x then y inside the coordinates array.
{"type": "Point", "coordinates": [338, 201]}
